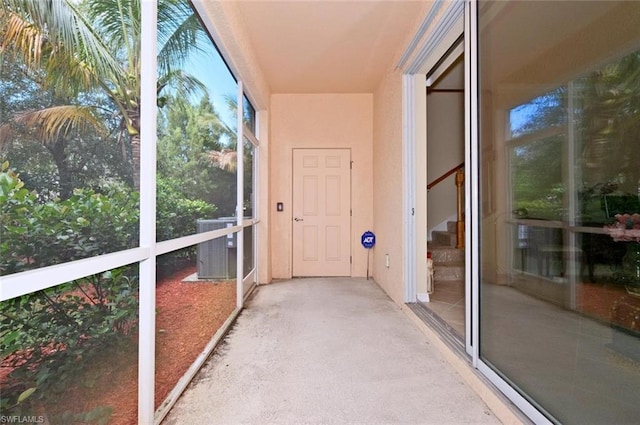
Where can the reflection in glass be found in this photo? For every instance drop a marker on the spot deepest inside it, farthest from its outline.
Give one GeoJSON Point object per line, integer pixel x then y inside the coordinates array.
{"type": "Point", "coordinates": [541, 113]}
{"type": "Point", "coordinates": [560, 163]}
{"type": "Point", "coordinates": [536, 176]}
{"type": "Point", "coordinates": [69, 353]}
{"type": "Point", "coordinates": [190, 309]}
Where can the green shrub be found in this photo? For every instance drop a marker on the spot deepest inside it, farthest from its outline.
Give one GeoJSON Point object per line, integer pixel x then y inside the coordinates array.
{"type": "Point", "coordinates": [51, 337]}
{"type": "Point", "coordinates": [36, 235]}
{"type": "Point", "coordinates": [177, 215]}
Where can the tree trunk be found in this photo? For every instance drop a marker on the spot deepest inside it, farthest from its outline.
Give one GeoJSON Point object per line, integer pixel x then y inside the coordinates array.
{"type": "Point", "coordinates": [135, 160]}
{"type": "Point", "coordinates": [134, 116]}
{"type": "Point", "coordinates": [59, 156]}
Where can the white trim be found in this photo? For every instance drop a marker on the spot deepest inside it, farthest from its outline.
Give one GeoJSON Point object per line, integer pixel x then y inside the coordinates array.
{"type": "Point", "coordinates": [165, 247]}
{"type": "Point", "coordinates": [250, 222]}
{"type": "Point", "coordinates": [420, 33]}
{"type": "Point", "coordinates": [472, 242]}
{"type": "Point", "coordinates": [248, 134]}
{"type": "Point", "coordinates": [409, 189]}
{"type": "Point", "coordinates": [23, 283]}
{"type": "Point", "coordinates": [516, 398]}
{"type": "Point", "coordinates": [457, 51]}
{"type": "Point", "coordinates": [147, 268]}
{"type": "Point", "coordinates": [448, 29]}
{"type": "Point", "coordinates": [240, 197]}
{"type": "Point", "coordinates": [248, 281]}
{"type": "Point", "coordinates": [185, 380]}
{"type": "Point", "coordinates": [255, 208]}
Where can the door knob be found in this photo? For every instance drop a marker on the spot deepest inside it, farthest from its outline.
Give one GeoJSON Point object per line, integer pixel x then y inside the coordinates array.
{"type": "Point", "coordinates": [299, 219]}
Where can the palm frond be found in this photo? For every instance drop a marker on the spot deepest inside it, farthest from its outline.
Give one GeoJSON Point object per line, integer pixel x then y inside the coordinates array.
{"type": "Point", "coordinates": [56, 31]}
{"type": "Point", "coordinates": [46, 125]}
{"type": "Point", "coordinates": [119, 24]}
{"type": "Point", "coordinates": [181, 83]}
{"type": "Point", "coordinates": [225, 159]}
{"type": "Point", "coordinates": [20, 34]}
{"type": "Point", "coordinates": [180, 34]}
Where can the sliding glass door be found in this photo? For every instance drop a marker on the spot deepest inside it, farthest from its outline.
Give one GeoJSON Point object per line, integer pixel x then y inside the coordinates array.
{"type": "Point", "coordinates": [559, 155]}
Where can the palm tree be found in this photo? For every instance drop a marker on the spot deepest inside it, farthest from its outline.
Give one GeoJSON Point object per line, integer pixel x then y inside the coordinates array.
{"type": "Point", "coordinates": [94, 46]}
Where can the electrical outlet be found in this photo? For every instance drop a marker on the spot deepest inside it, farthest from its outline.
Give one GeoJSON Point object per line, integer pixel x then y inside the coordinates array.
{"type": "Point", "coordinates": [387, 261]}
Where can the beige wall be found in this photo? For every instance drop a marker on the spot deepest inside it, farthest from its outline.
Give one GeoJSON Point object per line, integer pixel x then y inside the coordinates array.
{"type": "Point", "coordinates": [387, 181]}
{"type": "Point", "coordinates": [319, 121]}
{"type": "Point", "coordinates": [388, 178]}
{"type": "Point", "coordinates": [369, 124]}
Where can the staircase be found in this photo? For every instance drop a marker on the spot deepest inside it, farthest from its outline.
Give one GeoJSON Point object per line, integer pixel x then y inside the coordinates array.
{"type": "Point", "coordinates": [448, 261]}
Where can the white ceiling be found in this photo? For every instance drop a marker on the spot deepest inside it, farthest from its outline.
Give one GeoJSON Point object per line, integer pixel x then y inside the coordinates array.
{"type": "Point", "coordinates": [326, 46]}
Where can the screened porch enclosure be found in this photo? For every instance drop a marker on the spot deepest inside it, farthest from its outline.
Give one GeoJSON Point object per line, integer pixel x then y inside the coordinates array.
{"type": "Point", "coordinates": [111, 156]}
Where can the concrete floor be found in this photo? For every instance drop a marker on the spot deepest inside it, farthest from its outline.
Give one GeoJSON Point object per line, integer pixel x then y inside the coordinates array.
{"type": "Point", "coordinates": [327, 351]}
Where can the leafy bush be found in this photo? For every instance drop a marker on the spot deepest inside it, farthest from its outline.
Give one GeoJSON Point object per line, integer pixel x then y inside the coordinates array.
{"type": "Point", "coordinates": [177, 215]}
{"type": "Point", "coordinates": [35, 235]}
{"type": "Point", "coordinates": [50, 338]}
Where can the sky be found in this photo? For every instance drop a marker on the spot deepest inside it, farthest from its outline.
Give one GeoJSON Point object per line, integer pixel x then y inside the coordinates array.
{"type": "Point", "coordinates": [210, 69]}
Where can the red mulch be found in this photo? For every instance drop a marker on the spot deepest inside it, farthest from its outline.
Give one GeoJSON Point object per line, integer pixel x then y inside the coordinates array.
{"type": "Point", "coordinates": [609, 304]}
{"type": "Point", "coordinates": [188, 315]}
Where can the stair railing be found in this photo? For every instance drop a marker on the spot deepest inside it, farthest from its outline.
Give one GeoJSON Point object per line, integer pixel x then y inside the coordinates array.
{"type": "Point", "coordinates": [459, 171]}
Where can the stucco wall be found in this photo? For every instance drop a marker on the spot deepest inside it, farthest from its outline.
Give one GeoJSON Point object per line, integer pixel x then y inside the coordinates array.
{"type": "Point", "coordinates": [387, 181]}
{"type": "Point", "coordinates": [319, 121]}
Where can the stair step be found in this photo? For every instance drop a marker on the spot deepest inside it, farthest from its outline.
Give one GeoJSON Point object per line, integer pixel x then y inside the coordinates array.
{"type": "Point", "coordinates": [445, 254]}
{"type": "Point", "coordinates": [444, 238]}
{"type": "Point", "coordinates": [448, 272]}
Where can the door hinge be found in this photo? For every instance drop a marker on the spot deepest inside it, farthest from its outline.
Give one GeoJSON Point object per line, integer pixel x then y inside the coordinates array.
{"type": "Point", "coordinates": [351, 165]}
{"type": "Point", "coordinates": [351, 213]}
{"type": "Point", "coordinates": [350, 259]}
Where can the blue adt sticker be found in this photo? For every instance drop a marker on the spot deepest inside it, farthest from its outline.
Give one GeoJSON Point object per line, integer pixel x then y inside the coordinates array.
{"type": "Point", "coordinates": [368, 239]}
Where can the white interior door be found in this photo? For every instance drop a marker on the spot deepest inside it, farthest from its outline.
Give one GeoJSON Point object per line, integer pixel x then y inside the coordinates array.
{"type": "Point", "coordinates": [321, 212]}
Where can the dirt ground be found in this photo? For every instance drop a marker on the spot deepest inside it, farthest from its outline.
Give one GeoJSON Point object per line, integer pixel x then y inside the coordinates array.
{"type": "Point", "coordinates": [188, 315]}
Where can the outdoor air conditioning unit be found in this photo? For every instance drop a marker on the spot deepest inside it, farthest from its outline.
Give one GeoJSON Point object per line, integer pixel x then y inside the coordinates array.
{"type": "Point", "coordinates": [217, 257]}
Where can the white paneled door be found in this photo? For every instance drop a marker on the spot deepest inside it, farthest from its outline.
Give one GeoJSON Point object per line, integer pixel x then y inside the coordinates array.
{"type": "Point", "coordinates": [321, 212]}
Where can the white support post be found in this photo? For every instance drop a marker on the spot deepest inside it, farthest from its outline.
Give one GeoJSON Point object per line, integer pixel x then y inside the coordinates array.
{"type": "Point", "coordinates": [147, 291]}
{"type": "Point", "coordinates": [240, 200]}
